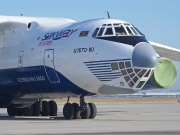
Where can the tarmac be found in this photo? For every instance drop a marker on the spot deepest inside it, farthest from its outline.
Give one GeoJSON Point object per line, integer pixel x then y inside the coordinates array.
{"type": "Point", "coordinates": [123, 119]}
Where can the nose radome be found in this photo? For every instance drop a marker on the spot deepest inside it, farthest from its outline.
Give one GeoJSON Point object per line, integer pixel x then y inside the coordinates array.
{"type": "Point", "coordinates": [144, 56]}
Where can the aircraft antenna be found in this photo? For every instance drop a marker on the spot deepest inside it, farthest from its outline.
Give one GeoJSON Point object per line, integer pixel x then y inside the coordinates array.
{"type": "Point", "coordinates": [108, 14]}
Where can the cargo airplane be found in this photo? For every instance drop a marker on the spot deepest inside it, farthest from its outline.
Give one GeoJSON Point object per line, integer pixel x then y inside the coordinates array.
{"type": "Point", "coordinates": [49, 58]}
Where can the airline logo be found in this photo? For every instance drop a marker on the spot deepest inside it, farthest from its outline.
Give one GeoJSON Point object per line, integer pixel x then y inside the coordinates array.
{"type": "Point", "coordinates": [58, 35]}
{"type": "Point", "coordinates": [49, 37]}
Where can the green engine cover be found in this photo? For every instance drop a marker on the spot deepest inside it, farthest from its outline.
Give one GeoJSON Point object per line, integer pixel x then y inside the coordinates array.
{"type": "Point", "coordinates": [165, 73]}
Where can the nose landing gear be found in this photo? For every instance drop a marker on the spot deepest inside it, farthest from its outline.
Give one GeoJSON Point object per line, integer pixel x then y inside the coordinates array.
{"type": "Point", "coordinates": [84, 111]}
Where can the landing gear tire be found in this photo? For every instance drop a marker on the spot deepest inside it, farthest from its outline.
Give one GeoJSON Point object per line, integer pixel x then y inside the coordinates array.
{"type": "Point", "coordinates": [12, 111]}
{"type": "Point", "coordinates": [28, 111]}
{"type": "Point", "coordinates": [68, 111]}
{"type": "Point", "coordinates": [45, 108]}
{"type": "Point", "coordinates": [86, 113]}
{"type": "Point", "coordinates": [53, 108]}
{"type": "Point", "coordinates": [93, 111]}
{"type": "Point", "coordinates": [20, 112]}
{"type": "Point", "coordinates": [76, 111]}
{"type": "Point", "coordinates": [36, 109]}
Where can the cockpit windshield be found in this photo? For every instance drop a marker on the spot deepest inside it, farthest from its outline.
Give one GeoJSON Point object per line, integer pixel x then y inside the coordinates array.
{"type": "Point", "coordinates": [116, 29]}
{"type": "Point", "coordinates": [138, 31]}
{"type": "Point", "coordinates": [120, 30]}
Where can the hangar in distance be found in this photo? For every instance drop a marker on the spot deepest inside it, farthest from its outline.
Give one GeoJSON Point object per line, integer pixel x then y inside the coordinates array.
{"type": "Point", "coordinates": [48, 58]}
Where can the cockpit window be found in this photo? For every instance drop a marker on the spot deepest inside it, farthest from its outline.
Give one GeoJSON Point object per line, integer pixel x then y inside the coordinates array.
{"type": "Point", "coordinates": [138, 31]}
{"type": "Point", "coordinates": [109, 31]}
{"type": "Point", "coordinates": [120, 30]}
{"type": "Point", "coordinates": [116, 29]}
{"type": "Point", "coordinates": [115, 24]}
{"type": "Point", "coordinates": [134, 31]}
{"type": "Point", "coordinates": [129, 31]}
{"type": "Point", "coordinates": [101, 31]}
{"type": "Point", "coordinates": [95, 32]}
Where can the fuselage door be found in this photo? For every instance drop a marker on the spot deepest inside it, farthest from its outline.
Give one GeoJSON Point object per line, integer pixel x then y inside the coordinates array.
{"type": "Point", "coordinates": [49, 66]}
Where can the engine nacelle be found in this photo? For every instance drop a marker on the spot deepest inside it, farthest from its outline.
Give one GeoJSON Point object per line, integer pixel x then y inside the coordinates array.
{"type": "Point", "coordinates": [164, 75]}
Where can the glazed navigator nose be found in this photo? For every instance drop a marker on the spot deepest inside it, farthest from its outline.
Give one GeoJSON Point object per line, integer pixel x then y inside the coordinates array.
{"type": "Point", "coordinates": [144, 55]}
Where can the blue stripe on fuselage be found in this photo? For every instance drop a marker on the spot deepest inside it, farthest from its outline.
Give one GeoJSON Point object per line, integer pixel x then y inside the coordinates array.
{"type": "Point", "coordinates": [33, 80]}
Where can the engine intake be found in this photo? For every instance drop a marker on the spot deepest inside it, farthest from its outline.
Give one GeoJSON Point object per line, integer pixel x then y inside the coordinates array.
{"type": "Point", "coordinates": [165, 73]}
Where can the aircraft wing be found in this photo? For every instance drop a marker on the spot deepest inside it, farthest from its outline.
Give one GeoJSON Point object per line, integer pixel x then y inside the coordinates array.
{"type": "Point", "coordinates": [166, 51]}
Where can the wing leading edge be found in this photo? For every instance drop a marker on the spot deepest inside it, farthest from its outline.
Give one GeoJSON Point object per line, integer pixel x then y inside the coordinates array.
{"type": "Point", "coordinates": [166, 51]}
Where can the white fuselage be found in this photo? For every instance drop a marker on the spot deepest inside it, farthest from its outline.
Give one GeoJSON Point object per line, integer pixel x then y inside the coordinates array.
{"type": "Point", "coordinates": [69, 48]}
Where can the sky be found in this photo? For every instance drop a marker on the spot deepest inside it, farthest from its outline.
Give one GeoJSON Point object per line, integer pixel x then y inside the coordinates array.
{"type": "Point", "coordinates": [159, 20]}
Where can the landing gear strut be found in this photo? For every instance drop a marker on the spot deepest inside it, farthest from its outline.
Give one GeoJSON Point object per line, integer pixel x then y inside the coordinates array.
{"type": "Point", "coordinates": [84, 111]}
